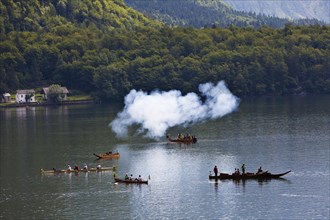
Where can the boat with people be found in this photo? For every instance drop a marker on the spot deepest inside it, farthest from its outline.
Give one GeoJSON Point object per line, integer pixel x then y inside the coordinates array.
{"type": "Point", "coordinates": [129, 181]}
{"type": "Point", "coordinates": [96, 169]}
{"type": "Point", "coordinates": [243, 176]}
{"type": "Point", "coordinates": [185, 139]}
{"type": "Point", "coordinates": [108, 155]}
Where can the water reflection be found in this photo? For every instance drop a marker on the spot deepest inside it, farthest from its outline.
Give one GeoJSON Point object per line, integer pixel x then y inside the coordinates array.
{"type": "Point", "coordinates": [243, 182]}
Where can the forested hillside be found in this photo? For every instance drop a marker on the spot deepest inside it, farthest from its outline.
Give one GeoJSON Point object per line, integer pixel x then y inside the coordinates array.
{"type": "Point", "coordinates": [296, 9]}
{"type": "Point", "coordinates": [208, 13]}
{"type": "Point", "coordinates": [108, 55]}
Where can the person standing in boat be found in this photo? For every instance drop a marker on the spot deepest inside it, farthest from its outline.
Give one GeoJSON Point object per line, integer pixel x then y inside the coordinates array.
{"type": "Point", "coordinates": [215, 170]}
{"type": "Point", "coordinates": [243, 168]}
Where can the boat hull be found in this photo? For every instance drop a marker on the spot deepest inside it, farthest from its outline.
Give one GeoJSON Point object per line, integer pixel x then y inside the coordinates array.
{"type": "Point", "coordinates": [265, 175]}
{"type": "Point", "coordinates": [78, 171]}
{"type": "Point", "coordinates": [117, 180]}
{"type": "Point", "coordinates": [183, 141]}
{"type": "Point", "coordinates": [107, 156]}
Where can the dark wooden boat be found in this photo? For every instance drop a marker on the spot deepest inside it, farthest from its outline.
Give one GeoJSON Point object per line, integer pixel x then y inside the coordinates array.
{"type": "Point", "coordinates": [107, 156]}
{"type": "Point", "coordinates": [192, 140]}
{"type": "Point", "coordinates": [117, 180]}
{"type": "Point", "coordinates": [263, 175]}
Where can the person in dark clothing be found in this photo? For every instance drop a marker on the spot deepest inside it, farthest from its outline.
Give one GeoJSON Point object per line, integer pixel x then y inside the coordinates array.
{"type": "Point", "coordinates": [243, 168]}
{"type": "Point", "coordinates": [215, 169]}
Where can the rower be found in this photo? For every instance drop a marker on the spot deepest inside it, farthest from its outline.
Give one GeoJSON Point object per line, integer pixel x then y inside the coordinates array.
{"type": "Point", "coordinates": [85, 167]}
{"type": "Point", "coordinates": [69, 168]}
{"type": "Point", "coordinates": [98, 167]}
{"type": "Point", "coordinates": [76, 168]}
{"type": "Point", "coordinates": [260, 170]}
{"type": "Point", "coordinates": [139, 178]}
{"type": "Point", "coordinates": [126, 177]}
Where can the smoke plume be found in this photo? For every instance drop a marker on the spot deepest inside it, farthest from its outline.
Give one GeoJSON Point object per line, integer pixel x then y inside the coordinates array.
{"type": "Point", "coordinates": [158, 111]}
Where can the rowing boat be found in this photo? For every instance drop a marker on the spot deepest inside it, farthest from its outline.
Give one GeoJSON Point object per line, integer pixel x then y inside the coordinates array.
{"type": "Point", "coordinates": [192, 140]}
{"type": "Point", "coordinates": [54, 171]}
{"type": "Point", "coordinates": [107, 156]}
{"type": "Point", "coordinates": [263, 175]}
{"type": "Point", "coordinates": [117, 180]}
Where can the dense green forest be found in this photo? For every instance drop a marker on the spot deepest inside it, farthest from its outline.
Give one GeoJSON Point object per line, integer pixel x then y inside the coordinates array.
{"type": "Point", "coordinates": [105, 48]}
{"type": "Point", "coordinates": [208, 13]}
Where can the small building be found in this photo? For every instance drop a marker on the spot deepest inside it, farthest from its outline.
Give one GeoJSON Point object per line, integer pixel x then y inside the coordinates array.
{"type": "Point", "coordinates": [25, 96]}
{"type": "Point", "coordinates": [64, 93]}
{"type": "Point", "coordinates": [5, 97]}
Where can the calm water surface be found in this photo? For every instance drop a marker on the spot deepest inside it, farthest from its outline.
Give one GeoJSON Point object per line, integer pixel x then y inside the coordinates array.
{"type": "Point", "coordinates": [279, 134]}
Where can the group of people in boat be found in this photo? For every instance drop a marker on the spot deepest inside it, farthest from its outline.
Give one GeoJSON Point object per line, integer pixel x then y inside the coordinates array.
{"type": "Point", "coordinates": [76, 168]}
{"type": "Point", "coordinates": [237, 171]}
{"type": "Point", "coordinates": [131, 178]}
{"type": "Point", "coordinates": [186, 137]}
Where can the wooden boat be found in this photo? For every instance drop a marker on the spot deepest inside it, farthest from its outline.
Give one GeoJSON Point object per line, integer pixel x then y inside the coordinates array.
{"type": "Point", "coordinates": [54, 171]}
{"type": "Point", "coordinates": [263, 175]}
{"type": "Point", "coordinates": [183, 140]}
{"type": "Point", "coordinates": [117, 180]}
{"type": "Point", "coordinates": [107, 156]}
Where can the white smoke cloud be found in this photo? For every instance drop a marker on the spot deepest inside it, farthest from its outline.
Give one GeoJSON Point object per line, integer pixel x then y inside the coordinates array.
{"type": "Point", "coordinates": [158, 111]}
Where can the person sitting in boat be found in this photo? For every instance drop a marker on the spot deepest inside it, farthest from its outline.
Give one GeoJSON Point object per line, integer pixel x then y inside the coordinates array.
{"type": "Point", "coordinates": [126, 177]}
{"type": "Point", "coordinates": [180, 136]}
{"type": "Point", "coordinates": [98, 167]}
{"type": "Point", "coordinates": [69, 168]}
{"type": "Point", "coordinates": [76, 168]}
{"type": "Point", "coordinates": [109, 153]}
{"type": "Point", "coordinates": [139, 178]}
{"type": "Point", "coordinates": [260, 170]}
{"type": "Point", "coordinates": [85, 167]}
{"type": "Point", "coordinates": [131, 177]}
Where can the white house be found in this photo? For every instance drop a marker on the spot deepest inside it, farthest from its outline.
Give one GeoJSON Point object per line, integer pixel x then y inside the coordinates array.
{"type": "Point", "coordinates": [25, 96]}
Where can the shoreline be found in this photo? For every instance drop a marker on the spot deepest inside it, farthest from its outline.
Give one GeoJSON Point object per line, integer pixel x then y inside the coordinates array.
{"type": "Point", "coordinates": [34, 104]}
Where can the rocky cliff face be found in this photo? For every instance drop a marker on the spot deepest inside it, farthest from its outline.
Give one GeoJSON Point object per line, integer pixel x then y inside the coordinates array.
{"type": "Point", "coordinates": [294, 9]}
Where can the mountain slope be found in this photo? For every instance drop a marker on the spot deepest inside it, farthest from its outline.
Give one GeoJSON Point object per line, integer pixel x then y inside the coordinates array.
{"type": "Point", "coordinates": [34, 15]}
{"type": "Point", "coordinates": [206, 13]}
{"type": "Point", "coordinates": [292, 9]}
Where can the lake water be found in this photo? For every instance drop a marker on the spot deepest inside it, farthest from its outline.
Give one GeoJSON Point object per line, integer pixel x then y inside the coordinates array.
{"type": "Point", "coordinates": [278, 134]}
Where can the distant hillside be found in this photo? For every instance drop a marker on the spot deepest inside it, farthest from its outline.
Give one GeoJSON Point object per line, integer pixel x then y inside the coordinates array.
{"type": "Point", "coordinates": [293, 9]}
{"type": "Point", "coordinates": [35, 15]}
{"type": "Point", "coordinates": [207, 13]}
{"type": "Point", "coordinates": [105, 49]}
